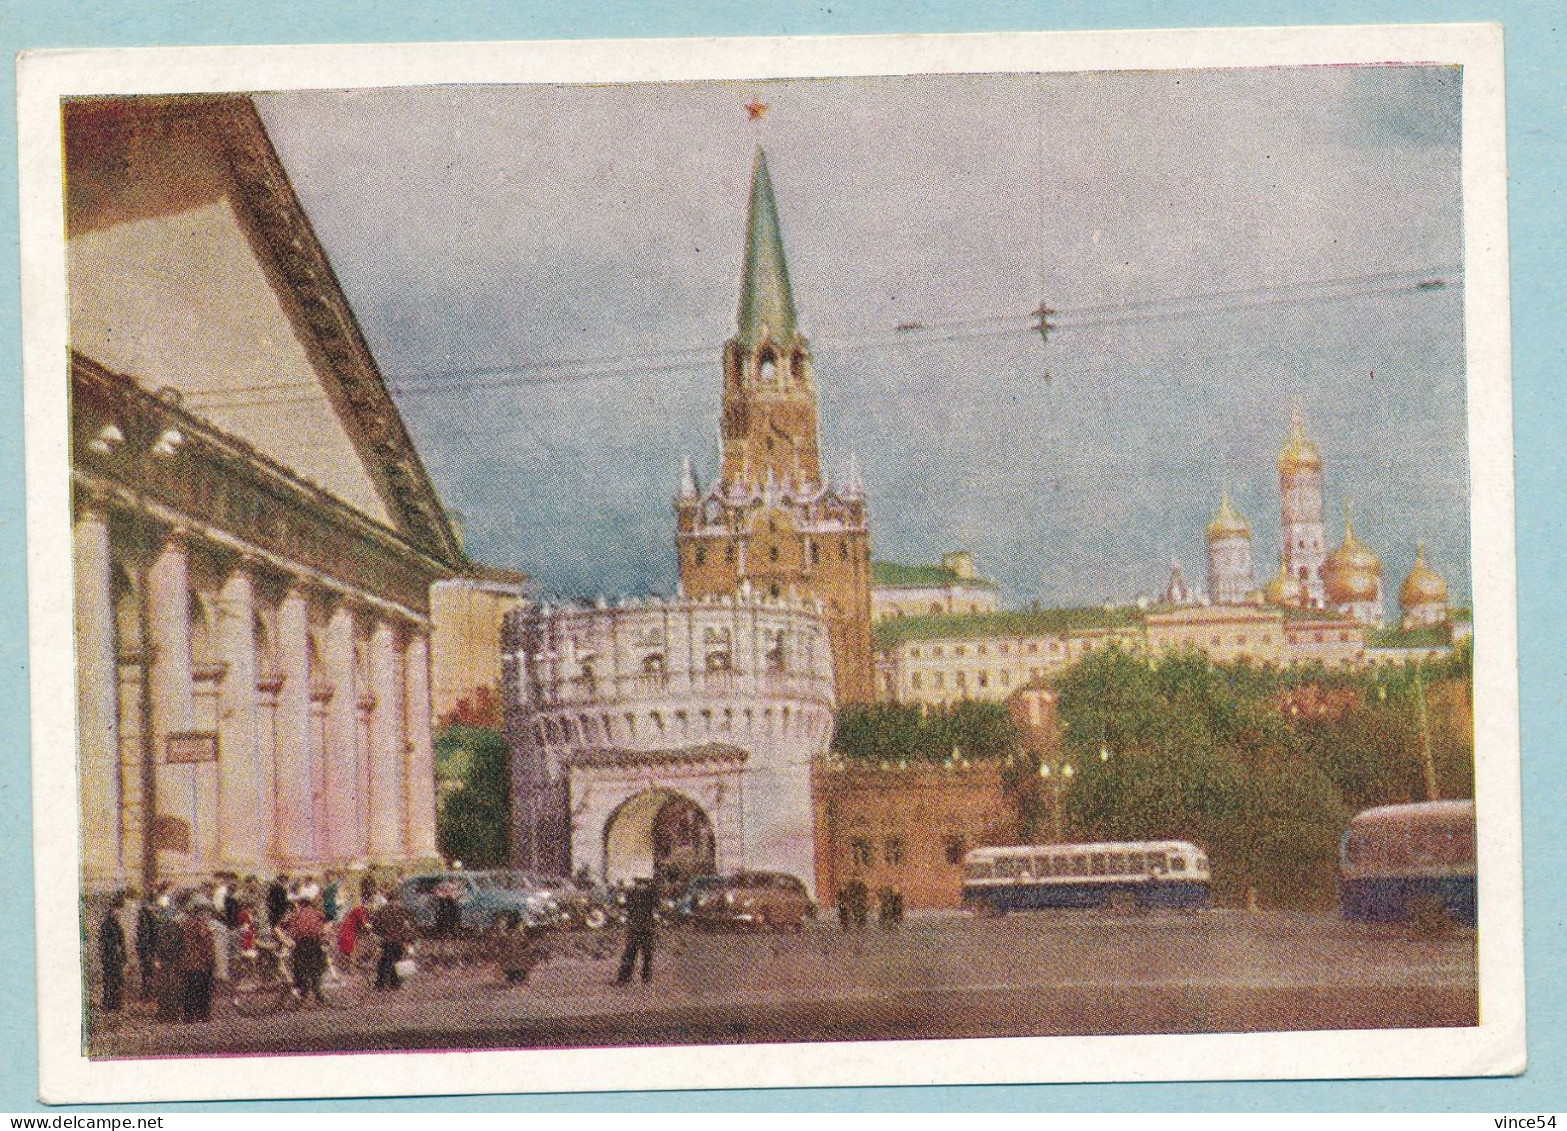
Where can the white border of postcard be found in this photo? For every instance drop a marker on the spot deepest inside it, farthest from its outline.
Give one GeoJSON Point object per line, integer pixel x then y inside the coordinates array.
{"type": "Point", "coordinates": [1494, 1047]}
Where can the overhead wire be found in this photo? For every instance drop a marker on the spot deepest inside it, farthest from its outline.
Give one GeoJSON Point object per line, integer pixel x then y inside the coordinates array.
{"type": "Point", "coordinates": [550, 371]}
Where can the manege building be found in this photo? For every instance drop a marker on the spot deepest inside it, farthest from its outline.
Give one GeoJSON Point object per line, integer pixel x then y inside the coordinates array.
{"type": "Point", "coordinates": [255, 536]}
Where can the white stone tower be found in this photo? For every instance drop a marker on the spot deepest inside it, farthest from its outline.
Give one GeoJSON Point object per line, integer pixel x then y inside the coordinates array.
{"type": "Point", "coordinates": [1301, 529]}
{"type": "Point", "coordinates": [1230, 577]}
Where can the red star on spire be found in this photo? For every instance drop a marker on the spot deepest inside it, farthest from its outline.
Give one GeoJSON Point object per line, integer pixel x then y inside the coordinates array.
{"type": "Point", "coordinates": [756, 108]}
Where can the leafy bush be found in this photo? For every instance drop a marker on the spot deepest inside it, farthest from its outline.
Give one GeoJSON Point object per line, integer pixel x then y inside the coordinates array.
{"type": "Point", "coordinates": [474, 821]}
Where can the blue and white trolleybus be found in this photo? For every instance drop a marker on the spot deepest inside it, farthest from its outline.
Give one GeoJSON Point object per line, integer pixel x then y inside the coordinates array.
{"type": "Point", "coordinates": [1122, 876]}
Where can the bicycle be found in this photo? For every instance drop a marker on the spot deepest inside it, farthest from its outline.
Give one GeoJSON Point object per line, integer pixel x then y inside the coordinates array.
{"type": "Point", "coordinates": [263, 983]}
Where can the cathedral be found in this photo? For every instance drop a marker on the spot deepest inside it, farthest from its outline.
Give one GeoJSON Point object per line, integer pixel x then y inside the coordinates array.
{"type": "Point", "coordinates": [770, 522]}
{"type": "Point", "coordinates": [1347, 580]}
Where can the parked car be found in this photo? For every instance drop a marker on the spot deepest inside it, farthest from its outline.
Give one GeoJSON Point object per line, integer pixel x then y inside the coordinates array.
{"type": "Point", "coordinates": [484, 901]}
{"type": "Point", "coordinates": [580, 906]}
{"type": "Point", "coordinates": [763, 901]}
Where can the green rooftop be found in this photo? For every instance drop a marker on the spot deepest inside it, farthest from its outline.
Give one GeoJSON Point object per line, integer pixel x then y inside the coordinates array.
{"type": "Point", "coordinates": [766, 299]}
{"type": "Point", "coordinates": [1291, 613]}
{"type": "Point", "coordinates": [892, 575]}
{"type": "Point", "coordinates": [1430, 636]}
{"type": "Point", "coordinates": [891, 631]}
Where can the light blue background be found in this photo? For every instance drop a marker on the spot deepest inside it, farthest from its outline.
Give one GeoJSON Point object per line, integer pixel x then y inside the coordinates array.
{"type": "Point", "coordinates": [1537, 136]}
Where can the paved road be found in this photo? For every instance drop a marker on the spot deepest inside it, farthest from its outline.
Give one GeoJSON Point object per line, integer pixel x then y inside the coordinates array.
{"type": "Point", "coordinates": [1047, 973]}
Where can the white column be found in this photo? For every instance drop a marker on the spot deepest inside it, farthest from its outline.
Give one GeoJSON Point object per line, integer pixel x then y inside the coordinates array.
{"type": "Point", "coordinates": [386, 746]}
{"type": "Point", "coordinates": [293, 801]}
{"type": "Point", "coordinates": [173, 695]}
{"type": "Point", "coordinates": [420, 746]}
{"type": "Point", "coordinates": [341, 753]}
{"type": "Point", "coordinates": [97, 708]}
{"type": "Point", "coordinates": [244, 807]}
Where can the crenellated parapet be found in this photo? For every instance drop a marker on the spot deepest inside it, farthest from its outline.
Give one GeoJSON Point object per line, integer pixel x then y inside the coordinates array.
{"type": "Point", "coordinates": [722, 702]}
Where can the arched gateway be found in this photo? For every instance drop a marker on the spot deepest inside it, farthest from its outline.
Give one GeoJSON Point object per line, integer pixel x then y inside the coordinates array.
{"type": "Point", "coordinates": [658, 833]}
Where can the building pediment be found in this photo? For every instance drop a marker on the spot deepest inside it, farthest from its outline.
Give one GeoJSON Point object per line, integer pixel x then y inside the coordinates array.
{"type": "Point", "coordinates": [195, 269]}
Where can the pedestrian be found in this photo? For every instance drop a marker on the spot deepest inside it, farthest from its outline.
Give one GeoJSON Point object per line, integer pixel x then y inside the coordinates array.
{"type": "Point", "coordinates": [520, 949]}
{"type": "Point", "coordinates": [306, 926]}
{"type": "Point", "coordinates": [845, 904]}
{"type": "Point", "coordinates": [277, 900]}
{"type": "Point", "coordinates": [862, 904]}
{"type": "Point", "coordinates": [194, 961]}
{"type": "Point", "coordinates": [885, 915]}
{"type": "Point", "coordinates": [167, 981]}
{"type": "Point", "coordinates": [641, 911]}
{"type": "Point", "coordinates": [147, 944]}
{"type": "Point", "coordinates": [112, 955]}
{"type": "Point", "coordinates": [447, 914]}
{"type": "Point", "coordinates": [396, 929]}
{"type": "Point", "coordinates": [357, 919]}
{"type": "Point", "coordinates": [331, 897]}
{"type": "Point", "coordinates": [222, 941]}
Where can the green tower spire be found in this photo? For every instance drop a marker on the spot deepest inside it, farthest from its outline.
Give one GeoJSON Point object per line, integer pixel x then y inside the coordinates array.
{"type": "Point", "coordinates": [766, 299]}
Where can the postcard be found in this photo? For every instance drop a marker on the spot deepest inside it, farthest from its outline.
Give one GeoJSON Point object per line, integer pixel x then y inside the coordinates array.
{"type": "Point", "coordinates": [797, 562]}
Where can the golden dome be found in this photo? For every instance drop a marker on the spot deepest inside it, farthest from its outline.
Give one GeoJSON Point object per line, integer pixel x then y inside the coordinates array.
{"type": "Point", "coordinates": [1284, 589]}
{"type": "Point", "coordinates": [1227, 522]}
{"type": "Point", "coordinates": [1351, 574]}
{"type": "Point", "coordinates": [1423, 586]}
{"type": "Point", "coordinates": [1299, 453]}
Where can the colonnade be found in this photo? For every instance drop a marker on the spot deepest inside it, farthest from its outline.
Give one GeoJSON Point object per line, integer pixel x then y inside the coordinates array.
{"type": "Point", "coordinates": [236, 714]}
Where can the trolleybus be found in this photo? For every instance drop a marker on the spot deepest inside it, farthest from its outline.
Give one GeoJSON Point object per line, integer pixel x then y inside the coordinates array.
{"type": "Point", "coordinates": [1400, 862]}
{"type": "Point", "coordinates": [1121, 876]}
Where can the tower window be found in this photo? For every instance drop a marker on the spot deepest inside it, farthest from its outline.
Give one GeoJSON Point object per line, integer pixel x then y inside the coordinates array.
{"type": "Point", "coordinates": [729, 553]}
{"type": "Point", "coordinates": [816, 554]}
{"type": "Point", "coordinates": [701, 554]}
{"type": "Point", "coordinates": [772, 553]}
{"type": "Point", "coordinates": [843, 550]}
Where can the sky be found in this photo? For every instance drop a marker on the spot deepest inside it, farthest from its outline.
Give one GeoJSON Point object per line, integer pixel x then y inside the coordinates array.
{"type": "Point", "coordinates": [546, 276]}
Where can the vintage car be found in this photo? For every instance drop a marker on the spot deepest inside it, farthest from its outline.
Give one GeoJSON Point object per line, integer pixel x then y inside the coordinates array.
{"type": "Point", "coordinates": [485, 901]}
{"type": "Point", "coordinates": [760, 901]}
{"type": "Point", "coordinates": [581, 906]}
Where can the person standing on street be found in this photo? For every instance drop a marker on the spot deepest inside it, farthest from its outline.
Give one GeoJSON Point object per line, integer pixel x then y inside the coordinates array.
{"type": "Point", "coordinates": [641, 910]}
{"type": "Point", "coordinates": [277, 900]}
{"type": "Point", "coordinates": [306, 925]}
{"type": "Point", "coordinates": [112, 955]}
{"type": "Point", "coordinates": [194, 961]}
{"type": "Point", "coordinates": [396, 929]}
{"type": "Point", "coordinates": [147, 924]}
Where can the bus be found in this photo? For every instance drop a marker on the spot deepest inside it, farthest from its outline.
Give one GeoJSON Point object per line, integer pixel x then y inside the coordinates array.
{"type": "Point", "coordinates": [1121, 876]}
{"type": "Point", "coordinates": [1403, 862]}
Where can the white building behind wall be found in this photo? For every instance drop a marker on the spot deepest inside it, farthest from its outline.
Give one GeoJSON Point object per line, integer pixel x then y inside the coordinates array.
{"type": "Point", "coordinates": [712, 709]}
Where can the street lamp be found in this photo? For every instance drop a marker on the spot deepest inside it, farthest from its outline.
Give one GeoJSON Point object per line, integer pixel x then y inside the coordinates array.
{"type": "Point", "coordinates": [150, 443]}
{"type": "Point", "coordinates": [1057, 779]}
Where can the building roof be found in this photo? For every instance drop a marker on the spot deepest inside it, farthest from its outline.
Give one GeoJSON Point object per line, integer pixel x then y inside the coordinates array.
{"type": "Point", "coordinates": [891, 631]}
{"type": "Point", "coordinates": [1299, 453]}
{"type": "Point", "coordinates": [186, 163]}
{"type": "Point", "coordinates": [1227, 521]}
{"type": "Point", "coordinates": [1427, 636]}
{"type": "Point", "coordinates": [766, 299]}
{"type": "Point", "coordinates": [892, 575]}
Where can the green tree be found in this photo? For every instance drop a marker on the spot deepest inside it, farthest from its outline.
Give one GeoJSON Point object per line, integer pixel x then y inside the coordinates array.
{"type": "Point", "coordinates": [474, 823]}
